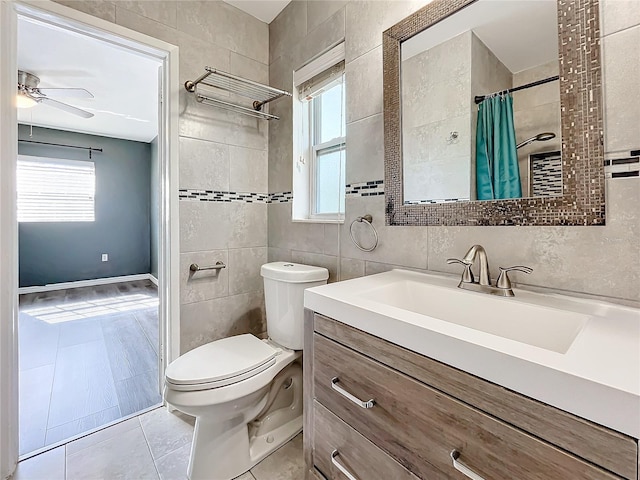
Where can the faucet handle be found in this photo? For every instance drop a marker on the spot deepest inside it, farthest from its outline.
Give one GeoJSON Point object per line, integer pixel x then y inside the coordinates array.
{"type": "Point", "coordinates": [503, 279]}
{"type": "Point", "coordinates": [467, 275]}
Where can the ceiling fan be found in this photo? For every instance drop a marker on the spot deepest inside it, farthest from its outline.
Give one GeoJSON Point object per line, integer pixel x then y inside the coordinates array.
{"type": "Point", "coordinates": [29, 94]}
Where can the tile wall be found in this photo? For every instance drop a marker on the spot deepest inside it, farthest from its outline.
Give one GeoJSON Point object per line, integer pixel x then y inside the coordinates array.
{"type": "Point", "coordinates": [436, 101]}
{"type": "Point", "coordinates": [220, 152]}
{"type": "Point", "coordinates": [593, 260]}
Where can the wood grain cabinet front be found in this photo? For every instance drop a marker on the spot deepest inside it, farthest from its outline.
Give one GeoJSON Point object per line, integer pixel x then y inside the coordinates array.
{"type": "Point", "coordinates": [387, 425]}
{"type": "Point", "coordinates": [341, 452]}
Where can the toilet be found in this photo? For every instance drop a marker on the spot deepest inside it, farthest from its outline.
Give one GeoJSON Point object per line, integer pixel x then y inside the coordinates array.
{"type": "Point", "coordinates": [246, 393]}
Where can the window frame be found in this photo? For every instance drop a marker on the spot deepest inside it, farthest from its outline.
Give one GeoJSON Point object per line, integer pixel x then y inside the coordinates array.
{"type": "Point", "coordinates": [307, 117]}
{"type": "Point", "coordinates": [55, 161]}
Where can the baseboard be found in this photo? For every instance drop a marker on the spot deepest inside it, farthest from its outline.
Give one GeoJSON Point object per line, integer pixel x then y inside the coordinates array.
{"type": "Point", "coordinates": [87, 283]}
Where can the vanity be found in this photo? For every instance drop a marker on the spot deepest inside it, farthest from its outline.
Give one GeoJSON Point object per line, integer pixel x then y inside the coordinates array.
{"type": "Point", "coordinates": [400, 384]}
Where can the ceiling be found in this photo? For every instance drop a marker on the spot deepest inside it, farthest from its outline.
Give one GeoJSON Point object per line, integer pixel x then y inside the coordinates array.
{"type": "Point", "coordinates": [522, 34]}
{"type": "Point", "coordinates": [124, 83]}
{"type": "Point", "coordinates": [264, 10]}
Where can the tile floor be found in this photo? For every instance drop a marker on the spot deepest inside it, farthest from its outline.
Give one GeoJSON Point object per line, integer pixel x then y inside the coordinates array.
{"type": "Point", "coordinates": [88, 357]}
{"type": "Point", "coordinates": [154, 445]}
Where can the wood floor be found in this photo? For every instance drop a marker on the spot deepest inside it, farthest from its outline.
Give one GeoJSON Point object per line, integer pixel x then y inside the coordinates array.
{"type": "Point", "coordinates": [88, 356]}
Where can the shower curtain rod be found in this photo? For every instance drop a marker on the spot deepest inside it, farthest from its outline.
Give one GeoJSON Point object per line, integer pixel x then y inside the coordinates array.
{"type": "Point", "coordinates": [480, 98]}
{"type": "Point", "coordinates": [91, 149]}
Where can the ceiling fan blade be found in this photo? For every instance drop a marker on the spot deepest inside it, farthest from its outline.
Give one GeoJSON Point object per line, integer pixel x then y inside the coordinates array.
{"type": "Point", "coordinates": [64, 106]}
{"type": "Point", "coordinates": [66, 92]}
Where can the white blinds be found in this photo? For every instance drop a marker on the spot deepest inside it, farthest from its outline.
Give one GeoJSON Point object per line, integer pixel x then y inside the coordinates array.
{"type": "Point", "coordinates": [321, 82]}
{"type": "Point", "coordinates": [55, 190]}
{"type": "Point", "coordinates": [324, 70]}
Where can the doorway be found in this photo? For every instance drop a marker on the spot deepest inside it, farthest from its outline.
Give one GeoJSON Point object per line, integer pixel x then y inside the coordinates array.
{"type": "Point", "coordinates": [87, 233]}
{"type": "Point", "coordinates": [133, 295]}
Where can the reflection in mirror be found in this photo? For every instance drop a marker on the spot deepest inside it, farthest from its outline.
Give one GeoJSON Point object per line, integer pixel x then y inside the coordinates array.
{"type": "Point", "coordinates": [481, 105]}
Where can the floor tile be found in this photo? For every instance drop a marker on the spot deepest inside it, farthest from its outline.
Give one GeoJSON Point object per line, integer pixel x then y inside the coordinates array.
{"type": "Point", "coordinates": [48, 465]}
{"type": "Point", "coordinates": [148, 320]}
{"type": "Point", "coordinates": [102, 435]}
{"type": "Point", "coordinates": [86, 293]}
{"type": "Point", "coordinates": [82, 383]}
{"type": "Point", "coordinates": [248, 476]}
{"type": "Point", "coordinates": [79, 331]}
{"type": "Point", "coordinates": [126, 456]}
{"type": "Point", "coordinates": [166, 432]}
{"type": "Point", "coordinates": [38, 341]}
{"type": "Point", "coordinates": [130, 353]}
{"type": "Point", "coordinates": [139, 392]}
{"type": "Point", "coordinates": [63, 330]}
{"type": "Point", "coordinates": [286, 463]}
{"type": "Point", "coordinates": [84, 424]}
{"type": "Point", "coordinates": [173, 466]}
{"type": "Point", "coordinates": [34, 395]}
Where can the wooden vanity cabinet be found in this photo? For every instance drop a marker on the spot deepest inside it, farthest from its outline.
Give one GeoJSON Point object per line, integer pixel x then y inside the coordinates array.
{"type": "Point", "coordinates": [423, 410]}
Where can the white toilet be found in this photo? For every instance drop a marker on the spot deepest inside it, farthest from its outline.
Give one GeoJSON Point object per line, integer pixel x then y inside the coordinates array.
{"type": "Point", "coordinates": [246, 393]}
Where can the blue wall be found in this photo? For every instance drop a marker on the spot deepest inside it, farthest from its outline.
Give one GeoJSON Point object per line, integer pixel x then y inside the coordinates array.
{"type": "Point", "coordinates": [54, 252]}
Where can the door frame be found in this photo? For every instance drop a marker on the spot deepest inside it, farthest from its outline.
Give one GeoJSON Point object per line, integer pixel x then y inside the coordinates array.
{"type": "Point", "coordinates": [169, 261]}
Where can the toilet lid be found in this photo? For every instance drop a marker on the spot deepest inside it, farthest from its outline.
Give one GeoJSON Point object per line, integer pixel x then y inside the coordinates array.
{"type": "Point", "coordinates": [222, 362]}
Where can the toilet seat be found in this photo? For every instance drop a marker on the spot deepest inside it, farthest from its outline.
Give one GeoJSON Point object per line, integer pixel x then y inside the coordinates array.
{"type": "Point", "coordinates": [220, 363]}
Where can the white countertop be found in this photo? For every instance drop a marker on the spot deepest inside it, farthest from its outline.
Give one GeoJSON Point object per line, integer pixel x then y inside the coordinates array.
{"type": "Point", "coordinates": [597, 378]}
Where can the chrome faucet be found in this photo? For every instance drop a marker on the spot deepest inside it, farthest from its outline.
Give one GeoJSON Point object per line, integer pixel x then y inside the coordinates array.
{"type": "Point", "coordinates": [470, 258]}
{"type": "Point", "coordinates": [503, 285]}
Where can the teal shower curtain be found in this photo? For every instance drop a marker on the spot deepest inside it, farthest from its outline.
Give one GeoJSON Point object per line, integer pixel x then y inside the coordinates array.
{"type": "Point", "coordinates": [497, 171]}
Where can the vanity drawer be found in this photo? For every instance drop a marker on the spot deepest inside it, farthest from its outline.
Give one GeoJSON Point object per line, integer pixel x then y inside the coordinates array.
{"type": "Point", "coordinates": [420, 426]}
{"type": "Point", "coordinates": [356, 454]}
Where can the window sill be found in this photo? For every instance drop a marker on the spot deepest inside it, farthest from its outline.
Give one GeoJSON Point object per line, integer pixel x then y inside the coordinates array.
{"type": "Point", "coordinates": [317, 220]}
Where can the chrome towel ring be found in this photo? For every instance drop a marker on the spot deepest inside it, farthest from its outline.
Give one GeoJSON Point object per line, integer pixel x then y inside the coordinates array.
{"type": "Point", "coordinates": [368, 219]}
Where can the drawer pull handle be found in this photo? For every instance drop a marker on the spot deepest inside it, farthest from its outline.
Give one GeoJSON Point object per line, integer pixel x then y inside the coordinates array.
{"type": "Point", "coordinates": [340, 467]}
{"type": "Point", "coordinates": [343, 392]}
{"type": "Point", "coordinates": [461, 467]}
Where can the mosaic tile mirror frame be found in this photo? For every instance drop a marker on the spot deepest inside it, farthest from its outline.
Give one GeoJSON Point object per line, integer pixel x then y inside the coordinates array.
{"type": "Point", "coordinates": [583, 198]}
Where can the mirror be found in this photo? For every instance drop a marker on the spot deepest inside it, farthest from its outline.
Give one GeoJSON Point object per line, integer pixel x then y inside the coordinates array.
{"type": "Point", "coordinates": [487, 48]}
{"type": "Point", "coordinates": [494, 100]}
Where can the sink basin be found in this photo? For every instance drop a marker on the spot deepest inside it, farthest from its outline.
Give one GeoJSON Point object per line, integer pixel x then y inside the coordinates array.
{"type": "Point", "coordinates": [540, 326]}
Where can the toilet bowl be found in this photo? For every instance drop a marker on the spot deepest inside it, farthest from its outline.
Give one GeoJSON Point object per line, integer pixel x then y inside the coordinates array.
{"type": "Point", "coordinates": [246, 393]}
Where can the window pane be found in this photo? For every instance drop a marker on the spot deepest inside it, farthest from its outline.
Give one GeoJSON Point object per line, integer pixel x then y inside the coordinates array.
{"type": "Point", "coordinates": [52, 190]}
{"type": "Point", "coordinates": [330, 174]}
{"type": "Point", "coordinates": [332, 121]}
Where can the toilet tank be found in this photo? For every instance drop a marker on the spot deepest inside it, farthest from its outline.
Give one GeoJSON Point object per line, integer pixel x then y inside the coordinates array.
{"type": "Point", "coordinates": [284, 285]}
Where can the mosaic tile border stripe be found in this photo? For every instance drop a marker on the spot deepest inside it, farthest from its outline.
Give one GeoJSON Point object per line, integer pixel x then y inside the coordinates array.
{"type": "Point", "coordinates": [363, 189]}
{"type": "Point", "coordinates": [371, 188]}
{"type": "Point", "coordinates": [623, 167]}
{"type": "Point", "coordinates": [233, 197]}
{"type": "Point", "coordinates": [439, 200]}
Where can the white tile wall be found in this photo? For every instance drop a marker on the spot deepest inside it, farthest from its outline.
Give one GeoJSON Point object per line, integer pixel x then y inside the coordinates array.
{"type": "Point", "coordinates": [594, 260]}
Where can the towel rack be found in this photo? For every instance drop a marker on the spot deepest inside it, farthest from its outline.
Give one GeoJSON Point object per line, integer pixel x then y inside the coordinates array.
{"type": "Point", "coordinates": [259, 93]}
{"type": "Point", "coordinates": [194, 267]}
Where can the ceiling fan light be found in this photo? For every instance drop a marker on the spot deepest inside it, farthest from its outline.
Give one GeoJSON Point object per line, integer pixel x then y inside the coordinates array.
{"type": "Point", "coordinates": [24, 101]}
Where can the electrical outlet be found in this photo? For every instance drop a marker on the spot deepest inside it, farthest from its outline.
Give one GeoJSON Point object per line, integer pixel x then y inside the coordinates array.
{"type": "Point", "coordinates": [105, 257]}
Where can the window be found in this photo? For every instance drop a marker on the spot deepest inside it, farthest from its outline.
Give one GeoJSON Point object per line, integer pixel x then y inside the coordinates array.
{"type": "Point", "coordinates": [319, 139]}
{"type": "Point", "coordinates": [55, 190]}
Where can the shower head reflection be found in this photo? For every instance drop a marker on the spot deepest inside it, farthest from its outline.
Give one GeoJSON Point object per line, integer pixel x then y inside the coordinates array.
{"type": "Point", "coordinates": [541, 137]}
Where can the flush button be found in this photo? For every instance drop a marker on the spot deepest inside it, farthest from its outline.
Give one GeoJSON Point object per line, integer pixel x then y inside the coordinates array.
{"type": "Point", "coordinates": [288, 265]}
